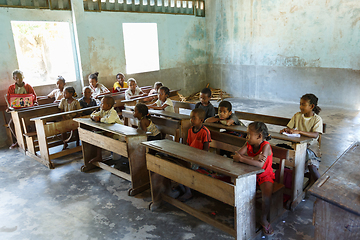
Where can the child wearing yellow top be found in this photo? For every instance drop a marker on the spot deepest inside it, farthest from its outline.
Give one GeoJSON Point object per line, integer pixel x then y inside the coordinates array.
{"type": "Point", "coordinates": [120, 82]}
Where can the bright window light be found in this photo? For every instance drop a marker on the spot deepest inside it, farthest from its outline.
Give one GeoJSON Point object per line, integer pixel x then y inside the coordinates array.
{"type": "Point", "coordinates": [44, 51]}
{"type": "Point", "coordinates": [141, 47]}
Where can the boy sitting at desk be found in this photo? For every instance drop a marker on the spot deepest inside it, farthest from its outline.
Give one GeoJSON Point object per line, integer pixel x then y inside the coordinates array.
{"type": "Point", "coordinates": [107, 114]}
{"type": "Point", "coordinates": [225, 116]}
{"type": "Point", "coordinates": [198, 137]}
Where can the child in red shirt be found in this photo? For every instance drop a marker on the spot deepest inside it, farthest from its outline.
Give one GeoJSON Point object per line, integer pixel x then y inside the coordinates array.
{"type": "Point", "coordinates": [257, 152]}
{"type": "Point", "coordinates": [198, 137]}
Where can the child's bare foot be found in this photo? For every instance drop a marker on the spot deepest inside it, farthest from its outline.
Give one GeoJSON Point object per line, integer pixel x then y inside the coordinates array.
{"type": "Point", "coordinates": [186, 196]}
{"type": "Point", "coordinates": [267, 229]}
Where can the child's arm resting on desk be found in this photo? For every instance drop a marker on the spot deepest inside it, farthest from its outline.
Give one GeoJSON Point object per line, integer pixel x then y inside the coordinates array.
{"type": "Point", "coordinates": [212, 119]}
{"type": "Point", "coordinates": [303, 133]}
{"type": "Point", "coordinates": [155, 107]}
{"type": "Point", "coordinates": [257, 161]}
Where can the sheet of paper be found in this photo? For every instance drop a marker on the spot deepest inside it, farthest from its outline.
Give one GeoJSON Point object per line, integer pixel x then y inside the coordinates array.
{"type": "Point", "coordinates": [292, 135]}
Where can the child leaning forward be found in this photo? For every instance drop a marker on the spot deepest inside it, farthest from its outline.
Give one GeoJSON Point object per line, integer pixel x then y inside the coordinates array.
{"type": "Point", "coordinates": [257, 152]}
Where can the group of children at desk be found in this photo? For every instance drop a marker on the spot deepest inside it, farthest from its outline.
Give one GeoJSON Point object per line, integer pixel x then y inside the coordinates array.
{"type": "Point", "coordinates": [256, 152]}
{"type": "Point", "coordinates": [65, 96]}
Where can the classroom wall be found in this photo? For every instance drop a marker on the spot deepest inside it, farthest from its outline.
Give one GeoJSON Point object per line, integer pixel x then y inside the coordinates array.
{"type": "Point", "coordinates": [280, 50]}
{"type": "Point", "coordinates": [99, 45]}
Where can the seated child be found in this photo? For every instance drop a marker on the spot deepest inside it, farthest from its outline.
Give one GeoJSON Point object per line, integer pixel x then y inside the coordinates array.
{"type": "Point", "coordinates": [142, 114]}
{"type": "Point", "coordinates": [133, 91]}
{"type": "Point", "coordinates": [205, 96]}
{"type": "Point", "coordinates": [69, 103]}
{"type": "Point", "coordinates": [19, 87]}
{"type": "Point", "coordinates": [163, 102]}
{"type": "Point", "coordinates": [156, 88]}
{"type": "Point", "coordinates": [87, 101]}
{"type": "Point", "coordinates": [225, 116]}
{"type": "Point", "coordinates": [308, 123]}
{"type": "Point", "coordinates": [198, 137]}
{"type": "Point", "coordinates": [107, 114]}
{"type": "Point", "coordinates": [97, 87]}
{"type": "Point", "coordinates": [257, 152]}
{"type": "Point", "coordinates": [58, 93]}
{"type": "Point", "coordinates": [120, 82]}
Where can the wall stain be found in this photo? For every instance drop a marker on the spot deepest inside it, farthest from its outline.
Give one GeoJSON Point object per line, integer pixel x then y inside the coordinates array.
{"type": "Point", "coordinates": [355, 22]}
{"type": "Point", "coordinates": [295, 61]}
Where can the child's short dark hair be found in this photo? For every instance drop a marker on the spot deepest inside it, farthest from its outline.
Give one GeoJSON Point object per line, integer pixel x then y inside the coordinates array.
{"type": "Point", "coordinates": [226, 104]}
{"type": "Point", "coordinates": [17, 71]}
{"type": "Point", "coordinates": [61, 78]}
{"type": "Point", "coordinates": [312, 100]}
{"type": "Point", "coordinates": [143, 110]}
{"type": "Point", "coordinates": [260, 127]}
{"type": "Point", "coordinates": [94, 76]}
{"type": "Point", "coordinates": [120, 74]}
{"type": "Point", "coordinates": [166, 90]}
{"type": "Point", "coordinates": [71, 90]}
{"type": "Point", "coordinates": [109, 100]}
{"type": "Point", "coordinates": [200, 113]}
{"type": "Point", "coordinates": [206, 91]}
{"type": "Point", "coordinates": [158, 84]}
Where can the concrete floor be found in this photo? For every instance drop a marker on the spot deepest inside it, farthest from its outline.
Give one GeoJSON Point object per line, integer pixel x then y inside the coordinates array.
{"type": "Point", "coordinates": [64, 203]}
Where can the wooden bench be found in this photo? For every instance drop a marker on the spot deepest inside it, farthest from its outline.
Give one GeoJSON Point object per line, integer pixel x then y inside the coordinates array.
{"type": "Point", "coordinates": [165, 125]}
{"type": "Point", "coordinates": [46, 128]}
{"type": "Point", "coordinates": [337, 206]}
{"type": "Point", "coordinates": [231, 143]}
{"type": "Point", "coordinates": [240, 195]}
{"type": "Point", "coordinates": [129, 147]}
{"type": "Point", "coordinates": [120, 96]}
{"type": "Point", "coordinates": [133, 101]}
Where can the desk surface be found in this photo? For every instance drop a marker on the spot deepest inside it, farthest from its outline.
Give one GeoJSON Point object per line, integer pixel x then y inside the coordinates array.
{"type": "Point", "coordinates": [274, 135]}
{"type": "Point", "coordinates": [163, 113]}
{"type": "Point", "coordinates": [113, 128]}
{"type": "Point", "coordinates": [208, 160]}
{"type": "Point", "coordinates": [340, 184]}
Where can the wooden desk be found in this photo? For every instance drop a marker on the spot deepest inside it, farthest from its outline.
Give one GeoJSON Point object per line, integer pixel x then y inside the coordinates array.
{"type": "Point", "coordinates": [337, 207]}
{"type": "Point", "coordinates": [296, 158]}
{"type": "Point", "coordinates": [240, 195]}
{"type": "Point", "coordinates": [183, 119]}
{"type": "Point", "coordinates": [30, 112]}
{"type": "Point", "coordinates": [129, 147]}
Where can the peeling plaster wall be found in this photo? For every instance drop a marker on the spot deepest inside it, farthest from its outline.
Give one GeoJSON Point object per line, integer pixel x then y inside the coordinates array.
{"type": "Point", "coordinates": [280, 50]}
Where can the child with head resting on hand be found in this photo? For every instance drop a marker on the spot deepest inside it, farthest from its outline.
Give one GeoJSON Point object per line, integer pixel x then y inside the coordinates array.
{"type": "Point", "coordinates": [58, 93]}
{"type": "Point", "coordinates": [205, 96]}
{"type": "Point", "coordinates": [163, 102]}
{"type": "Point", "coordinates": [257, 152]}
{"type": "Point", "coordinates": [308, 123]}
{"type": "Point", "coordinates": [225, 115]}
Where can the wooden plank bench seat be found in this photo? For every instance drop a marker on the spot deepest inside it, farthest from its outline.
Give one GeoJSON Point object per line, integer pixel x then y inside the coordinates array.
{"type": "Point", "coordinates": [128, 146]}
{"type": "Point", "coordinates": [46, 128]}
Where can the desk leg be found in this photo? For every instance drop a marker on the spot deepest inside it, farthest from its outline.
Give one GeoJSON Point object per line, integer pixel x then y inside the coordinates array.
{"type": "Point", "coordinates": [137, 163]}
{"type": "Point", "coordinates": [89, 151]}
{"type": "Point", "coordinates": [18, 131]}
{"type": "Point", "coordinates": [185, 125]}
{"type": "Point", "coordinates": [298, 174]}
{"type": "Point", "coordinates": [245, 211]}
